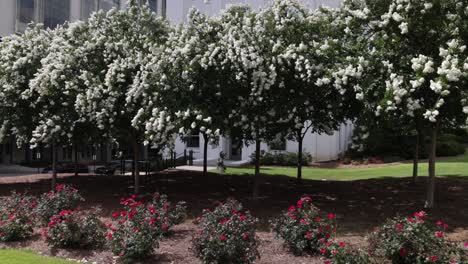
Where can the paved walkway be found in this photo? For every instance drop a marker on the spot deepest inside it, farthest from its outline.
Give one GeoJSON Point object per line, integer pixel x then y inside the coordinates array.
{"type": "Point", "coordinates": [195, 168]}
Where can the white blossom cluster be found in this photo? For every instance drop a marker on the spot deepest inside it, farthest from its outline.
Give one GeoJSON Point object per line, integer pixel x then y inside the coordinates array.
{"type": "Point", "coordinates": [422, 73]}
{"type": "Point", "coordinates": [20, 57]}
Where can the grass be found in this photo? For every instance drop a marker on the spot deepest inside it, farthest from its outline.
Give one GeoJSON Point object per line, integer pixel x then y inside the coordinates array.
{"type": "Point", "coordinates": [10, 256]}
{"type": "Point", "coordinates": [453, 166]}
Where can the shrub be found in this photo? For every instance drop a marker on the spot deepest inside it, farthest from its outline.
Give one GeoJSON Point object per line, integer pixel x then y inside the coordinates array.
{"type": "Point", "coordinates": [64, 197]}
{"type": "Point", "coordinates": [282, 158]}
{"type": "Point", "coordinates": [303, 227]}
{"type": "Point", "coordinates": [413, 240]}
{"type": "Point", "coordinates": [175, 213]}
{"type": "Point", "coordinates": [340, 253]}
{"type": "Point", "coordinates": [16, 217]}
{"type": "Point", "coordinates": [75, 229]}
{"type": "Point", "coordinates": [447, 148]}
{"type": "Point", "coordinates": [226, 235]}
{"type": "Point", "coordinates": [137, 230]}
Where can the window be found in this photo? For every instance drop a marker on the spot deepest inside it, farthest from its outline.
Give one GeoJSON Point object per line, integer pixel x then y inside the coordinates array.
{"type": "Point", "coordinates": [25, 13]}
{"type": "Point", "coordinates": [87, 8]}
{"type": "Point", "coordinates": [56, 12]}
{"type": "Point", "coordinates": [193, 141]}
{"type": "Point", "coordinates": [157, 6]}
{"type": "Point", "coordinates": [278, 144]}
{"type": "Point", "coordinates": [107, 5]}
{"type": "Point", "coordinates": [90, 6]}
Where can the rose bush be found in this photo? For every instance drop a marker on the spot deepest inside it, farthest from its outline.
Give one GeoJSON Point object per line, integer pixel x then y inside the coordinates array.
{"type": "Point", "coordinates": [136, 230]}
{"type": "Point", "coordinates": [303, 227]}
{"type": "Point", "coordinates": [175, 212]}
{"type": "Point", "coordinates": [64, 197]}
{"type": "Point", "coordinates": [17, 217]}
{"type": "Point", "coordinates": [226, 235]}
{"type": "Point", "coordinates": [414, 240]}
{"type": "Point", "coordinates": [340, 253]}
{"type": "Point", "coordinates": [75, 229]}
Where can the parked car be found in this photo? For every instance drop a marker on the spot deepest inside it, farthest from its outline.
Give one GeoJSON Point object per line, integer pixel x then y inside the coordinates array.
{"type": "Point", "coordinates": [109, 169]}
{"type": "Point", "coordinates": [68, 167]}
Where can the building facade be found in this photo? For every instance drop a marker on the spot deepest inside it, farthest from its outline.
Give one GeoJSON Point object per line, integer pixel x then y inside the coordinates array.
{"type": "Point", "coordinates": [15, 15]}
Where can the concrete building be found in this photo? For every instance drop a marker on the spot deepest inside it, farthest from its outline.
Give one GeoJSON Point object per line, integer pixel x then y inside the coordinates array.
{"type": "Point", "coordinates": [16, 14]}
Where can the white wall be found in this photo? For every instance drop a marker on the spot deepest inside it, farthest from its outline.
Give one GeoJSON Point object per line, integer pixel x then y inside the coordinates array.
{"type": "Point", "coordinates": [7, 17]}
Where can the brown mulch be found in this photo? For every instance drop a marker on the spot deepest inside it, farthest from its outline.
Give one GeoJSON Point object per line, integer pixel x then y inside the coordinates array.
{"type": "Point", "coordinates": [359, 206]}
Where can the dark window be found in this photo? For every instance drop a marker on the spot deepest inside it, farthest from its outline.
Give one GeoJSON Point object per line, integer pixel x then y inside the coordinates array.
{"type": "Point", "coordinates": [7, 148]}
{"type": "Point", "coordinates": [153, 4]}
{"type": "Point", "coordinates": [25, 13]}
{"type": "Point", "coordinates": [87, 8]}
{"type": "Point", "coordinates": [56, 12]}
{"type": "Point", "coordinates": [193, 141]}
{"type": "Point", "coordinates": [26, 9]}
{"type": "Point", "coordinates": [278, 144]}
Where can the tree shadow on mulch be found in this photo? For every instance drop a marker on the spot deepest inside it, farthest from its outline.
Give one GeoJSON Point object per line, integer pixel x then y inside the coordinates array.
{"type": "Point", "coordinates": [359, 205]}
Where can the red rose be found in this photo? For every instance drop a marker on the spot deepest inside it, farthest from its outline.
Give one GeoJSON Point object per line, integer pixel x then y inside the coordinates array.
{"type": "Point", "coordinates": [439, 234]}
{"type": "Point", "coordinates": [308, 235]}
{"type": "Point", "coordinates": [331, 216]}
{"type": "Point", "coordinates": [402, 252]}
{"type": "Point", "coordinates": [342, 244]}
{"type": "Point", "coordinates": [109, 236]}
{"type": "Point", "coordinates": [223, 238]}
{"type": "Point", "coordinates": [323, 250]}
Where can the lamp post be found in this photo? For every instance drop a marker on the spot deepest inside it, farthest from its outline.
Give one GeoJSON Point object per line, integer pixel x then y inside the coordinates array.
{"type": "Point", "coordinates": [38, 157]}
{"type": "Point", "coordinates": [94, 163]}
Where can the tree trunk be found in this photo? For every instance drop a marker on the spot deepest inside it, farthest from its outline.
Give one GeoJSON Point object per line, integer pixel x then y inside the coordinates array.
{"type": "Point", "coordinates": [54, 166]}
{"type": "Point", "coordinates": [136, 167]}
{"type": "Point", "coordinates": [416, 158]}
{"type": "Point", "coordinates": [432, 161]}
{"type": "Point", "coordinates": [205, 154]}
{"type": "Point", "coordinates": [257, 170]}
{"type": "Point", "coordinates": [299, 158]}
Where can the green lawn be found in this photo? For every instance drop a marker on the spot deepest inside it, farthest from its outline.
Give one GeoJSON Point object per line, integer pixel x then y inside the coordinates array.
{"type": "Point", "coordinates": [454, 166]}
{"type": "Point", "coordinates": [26, 257]}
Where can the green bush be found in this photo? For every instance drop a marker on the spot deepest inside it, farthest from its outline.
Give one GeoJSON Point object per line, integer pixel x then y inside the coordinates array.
{"type": "Point", "coordinates": [281, 158]}
{"type": "Point", "coordinates": [449, 147]}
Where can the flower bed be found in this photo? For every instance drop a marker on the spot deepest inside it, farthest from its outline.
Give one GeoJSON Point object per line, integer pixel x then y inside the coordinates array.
{"type": "Point", "coordinates": [304, 228]}
{"type": "Point", "coordinates": [226, 235]}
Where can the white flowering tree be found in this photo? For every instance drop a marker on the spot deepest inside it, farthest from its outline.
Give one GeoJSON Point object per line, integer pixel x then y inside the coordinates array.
{"type": "Point", "coordinates": [316, 78]}
{"type": "Point", "coordinates": [20, 61]}
{"type": "Point", "coordinates": [250, 82]}
{"type": "Point", "coordinates": [186, 78]}
{"type": "Point", "coordinates": [125, 39]}
{"type": "Point", "coordinates": [422, 54]}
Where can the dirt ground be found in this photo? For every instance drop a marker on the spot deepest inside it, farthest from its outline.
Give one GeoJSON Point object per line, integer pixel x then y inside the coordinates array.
{"type": "Point", "coordinates": [358, 205]}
